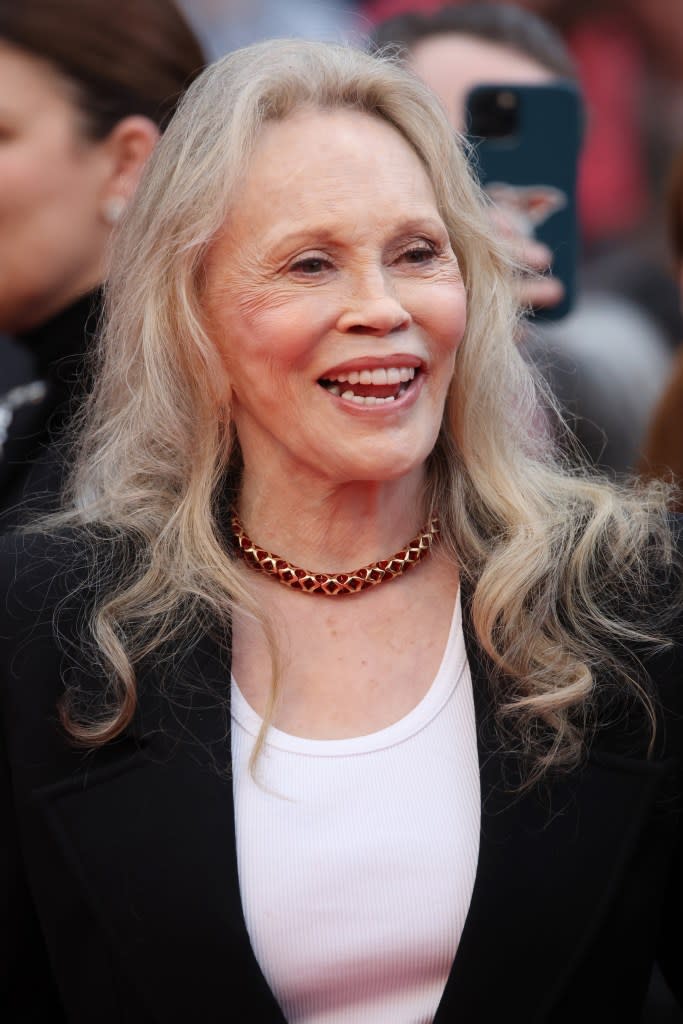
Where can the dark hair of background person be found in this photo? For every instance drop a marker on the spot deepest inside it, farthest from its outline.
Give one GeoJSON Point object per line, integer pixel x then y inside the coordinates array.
{"type": "Point", "coordinates": [496, 23]}
{"type": "Point", "coordinates": [86, 40]}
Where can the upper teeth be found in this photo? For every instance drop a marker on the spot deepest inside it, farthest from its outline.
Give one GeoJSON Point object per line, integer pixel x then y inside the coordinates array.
{"type": "Point", "coordinates": [391, 375]}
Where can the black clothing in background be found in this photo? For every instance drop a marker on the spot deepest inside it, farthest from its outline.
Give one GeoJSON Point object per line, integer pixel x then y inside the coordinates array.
{"type": "Point", "coordinates": [16, 364]}
{"type": "Point", "coordinates": [34, 413]}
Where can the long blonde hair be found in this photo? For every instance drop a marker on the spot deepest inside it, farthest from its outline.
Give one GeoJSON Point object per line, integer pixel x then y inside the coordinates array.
{"type": "Point", "coordinates": [545, 551]}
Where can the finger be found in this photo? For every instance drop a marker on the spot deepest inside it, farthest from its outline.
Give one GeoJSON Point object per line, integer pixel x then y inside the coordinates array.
{"type": "Point", "coordinates": [534, 255]}
{"type": "Point", "coordinates": [542, 293]}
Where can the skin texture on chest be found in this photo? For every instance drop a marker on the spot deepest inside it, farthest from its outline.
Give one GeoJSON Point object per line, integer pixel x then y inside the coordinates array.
{"type": "Point", "coordinates": [348, 666]}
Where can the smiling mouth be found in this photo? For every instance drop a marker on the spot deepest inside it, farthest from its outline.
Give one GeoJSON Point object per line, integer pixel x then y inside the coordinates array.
{"type": "Point", "coordinates": [371, 387]}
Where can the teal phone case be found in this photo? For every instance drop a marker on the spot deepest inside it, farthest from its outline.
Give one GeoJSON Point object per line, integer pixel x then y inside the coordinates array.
{"type": "Point", "coordinates": [526, 156]}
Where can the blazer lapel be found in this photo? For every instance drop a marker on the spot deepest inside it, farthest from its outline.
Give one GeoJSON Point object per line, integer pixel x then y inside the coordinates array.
{"type": "Point", "coordinates": [174, 914]}
{"type": "Point", "coordinates": [549, 860]}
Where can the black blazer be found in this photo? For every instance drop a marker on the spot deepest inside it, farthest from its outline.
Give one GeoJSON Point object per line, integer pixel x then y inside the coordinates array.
{"type": "Point", "coordinates": [120, 873]}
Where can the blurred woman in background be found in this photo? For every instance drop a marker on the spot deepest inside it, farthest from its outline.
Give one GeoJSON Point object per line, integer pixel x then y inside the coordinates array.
{"type": "Point", "coordinates": [86, 87]}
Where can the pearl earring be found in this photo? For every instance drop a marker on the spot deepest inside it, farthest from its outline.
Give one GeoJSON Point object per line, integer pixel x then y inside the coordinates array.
{"type": "Point", "coordinates": [113, 209]}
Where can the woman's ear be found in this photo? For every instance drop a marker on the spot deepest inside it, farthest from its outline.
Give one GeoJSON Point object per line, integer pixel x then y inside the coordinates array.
{"type": "Point", "coordinates": [128, 146]}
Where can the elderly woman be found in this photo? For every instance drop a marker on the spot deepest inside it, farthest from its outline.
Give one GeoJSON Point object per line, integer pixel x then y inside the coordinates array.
{"type": "Point", "coordinates": [330, 695]}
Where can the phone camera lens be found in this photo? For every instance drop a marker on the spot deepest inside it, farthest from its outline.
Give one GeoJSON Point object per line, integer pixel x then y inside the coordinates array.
{"type": "Point", "coordinates": [494, 113]}
{"type": "Point", "coordinates": [507, 100]}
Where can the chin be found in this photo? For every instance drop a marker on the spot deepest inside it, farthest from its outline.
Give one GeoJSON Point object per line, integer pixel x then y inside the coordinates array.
{"type": "Point", "coordinates": [388, 465]}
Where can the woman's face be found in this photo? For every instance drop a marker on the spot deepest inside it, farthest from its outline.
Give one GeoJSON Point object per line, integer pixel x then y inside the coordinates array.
{"type": "Point", "coordinates": [52, 235]}
{"type": "Point", "coordinates": [337, 302]}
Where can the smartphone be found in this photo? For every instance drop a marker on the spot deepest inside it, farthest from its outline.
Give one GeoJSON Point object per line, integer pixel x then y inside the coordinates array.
{"type": "Point", "coordinates": [527, 140]}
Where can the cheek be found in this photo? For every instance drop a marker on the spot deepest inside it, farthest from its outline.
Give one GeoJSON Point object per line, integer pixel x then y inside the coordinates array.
{"type": "Point", "coordinates": [45, 193]}
{"type": "Point", "coordinates": [256, 350]}
{"type": "Point", "coordinates": [269, 330]}
{"type": "Point", "coordinates": [458, 318]}
{"type": "Point", "coordinates": [25, 181]}
{"type": "Point", "coordinates": [445, 317]}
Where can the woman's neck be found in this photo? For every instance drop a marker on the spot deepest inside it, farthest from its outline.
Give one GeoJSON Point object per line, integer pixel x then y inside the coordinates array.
{"type": "Point", "coordinates": [332, 528]}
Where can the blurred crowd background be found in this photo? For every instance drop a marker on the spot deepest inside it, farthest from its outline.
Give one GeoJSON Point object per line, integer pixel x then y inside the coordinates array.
{"type": "Point", "coordinates": [615, 355]}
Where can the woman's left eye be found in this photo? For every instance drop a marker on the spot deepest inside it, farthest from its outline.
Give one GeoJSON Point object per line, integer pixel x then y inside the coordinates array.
{"type": "Point", "coordinates": [418, 254]}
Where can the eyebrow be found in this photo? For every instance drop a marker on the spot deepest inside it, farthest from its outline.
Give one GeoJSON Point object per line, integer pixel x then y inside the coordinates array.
{"type": "Point", "coordinates": [331, 235]}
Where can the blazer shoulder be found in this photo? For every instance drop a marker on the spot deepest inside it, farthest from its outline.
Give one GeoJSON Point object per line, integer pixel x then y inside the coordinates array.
{"type": "Point", "coordinates": [48, 584]}
{"type": "Point", "coordinates": [38, 569]}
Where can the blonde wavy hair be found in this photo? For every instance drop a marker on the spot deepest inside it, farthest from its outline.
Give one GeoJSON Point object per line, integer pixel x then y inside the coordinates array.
{"type": "Point", "coordinates": [546, 553]}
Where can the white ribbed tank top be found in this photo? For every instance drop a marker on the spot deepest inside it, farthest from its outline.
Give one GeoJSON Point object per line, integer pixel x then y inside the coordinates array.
{"type": "Point", "coordinates": [357, 860]}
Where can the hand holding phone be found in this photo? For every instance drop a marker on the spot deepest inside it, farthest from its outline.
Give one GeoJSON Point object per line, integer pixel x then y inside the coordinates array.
{"type": "Point", "coordinates": [527, 140]}
{"type": "Point", "coordinates": [539, 288]}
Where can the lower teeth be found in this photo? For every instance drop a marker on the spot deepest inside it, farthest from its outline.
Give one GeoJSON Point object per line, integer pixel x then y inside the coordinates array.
{"type": "Point", "coordinates": [366, 400]}
{"type": "Point", "coordinates": [351, 396]}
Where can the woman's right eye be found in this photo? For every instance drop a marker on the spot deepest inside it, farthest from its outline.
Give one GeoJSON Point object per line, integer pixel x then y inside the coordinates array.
{"type": "Point", "coordinates": [311, 265]}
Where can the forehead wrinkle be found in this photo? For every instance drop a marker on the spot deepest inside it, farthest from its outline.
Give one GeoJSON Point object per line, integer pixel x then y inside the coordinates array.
{"type": "Point", "coordinates": [340, 225]}
{"type": "Point", "coordinates": [285, 181]}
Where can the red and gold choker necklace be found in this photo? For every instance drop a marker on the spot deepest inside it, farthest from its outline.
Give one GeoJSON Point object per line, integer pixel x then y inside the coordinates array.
{"type": "Point", "coordinates": [340, 583]}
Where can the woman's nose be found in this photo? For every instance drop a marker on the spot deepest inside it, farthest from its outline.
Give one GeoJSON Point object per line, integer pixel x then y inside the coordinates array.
{"type": "Point", "coordinates": [374, 309]}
